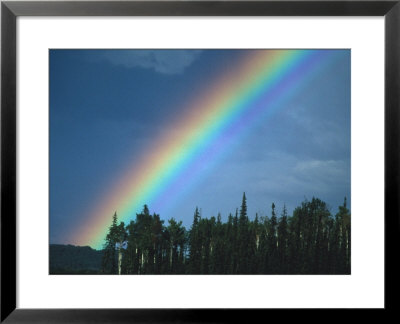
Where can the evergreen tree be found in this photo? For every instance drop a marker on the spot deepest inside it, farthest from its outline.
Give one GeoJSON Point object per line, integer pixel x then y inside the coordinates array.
{"type": "Point", "coordinates": [195, 244]}
{"type": "Point", "coordinates": [176, 240]}
{"type": "Point", "coordinates": [252, 257]}
{"type": "Point", "coordinates": [144, 240]}
{"type": "Point", "coordinates": [116, 235]}
{"type": "Point", "coordinates": [243, 237]}
{"type": "Point", "coordinates": [273, 260]}
{"type": "Point", "coordinates": [156, 238]}
{"type": "Point", "coordinates": [229, 246]}
{"type": "Point", "coordinates": [131, 259]}
{"type": "Point", "coordinates": [263, 247]}
{"type": "Point", "coordinates": [235, 243]}
{"type": "Point", "coordinates": [218, 257]}
{"type": "Point", "coordinates": [283, 241]}
{"type": "Point", "coordinates": [343, 239]}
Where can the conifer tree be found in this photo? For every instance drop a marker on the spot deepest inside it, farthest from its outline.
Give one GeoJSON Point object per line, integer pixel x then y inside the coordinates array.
{"type": "Point", "coordinates": [176, 235]}
{"type": "Point", "coordinates": [156, 237]}
{"type": "Point", "coordinates": [235, 243]}
{"type": "Point", "coordinates": [116, 235]}
{"type": "Point", "coordinates": [283, 241]}
{"type": "Point", "coordinates": [272, 242]}
{"type": "Point", "coordinates": [218, 256]}
{"type": "Point", "coordinates": [343, 238]}
{"type": "Point", "coordinates": [229, 247]}
{"type": "Point", "coordinates": [195, 244]}
{"type": "Point", "coordinates": [263, 247]}
{"type": "Point", "coordinates": [252, 246]}
{"type": "Point", "coordinates": [243, 237]}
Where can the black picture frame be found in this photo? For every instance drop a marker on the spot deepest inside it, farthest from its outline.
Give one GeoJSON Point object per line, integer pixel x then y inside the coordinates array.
{"type": "Point", "coordinates": [10, 10]}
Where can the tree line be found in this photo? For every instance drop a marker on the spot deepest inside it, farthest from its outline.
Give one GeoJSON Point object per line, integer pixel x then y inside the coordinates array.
{"type": "Point", "coordinates": [310, 241]}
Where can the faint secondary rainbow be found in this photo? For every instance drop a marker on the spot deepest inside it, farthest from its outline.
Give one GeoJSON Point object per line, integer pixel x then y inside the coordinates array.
{"type": "Point", "coordinates": [228, 106]}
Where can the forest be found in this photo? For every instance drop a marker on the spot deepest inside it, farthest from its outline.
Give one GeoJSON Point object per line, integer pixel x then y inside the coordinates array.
{"type": "Point", "coordinates": [310, 241]}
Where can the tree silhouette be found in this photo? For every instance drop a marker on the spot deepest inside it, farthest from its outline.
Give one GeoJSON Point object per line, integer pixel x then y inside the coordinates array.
{"type": "Point", "coordinates": [310, 241]}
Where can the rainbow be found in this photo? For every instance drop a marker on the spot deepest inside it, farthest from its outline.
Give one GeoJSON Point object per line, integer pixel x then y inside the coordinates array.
{"type": "Point", "coordinates": [212, 123]}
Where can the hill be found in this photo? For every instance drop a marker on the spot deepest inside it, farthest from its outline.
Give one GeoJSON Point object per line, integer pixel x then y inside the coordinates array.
{"type": "Point", "coordinates": [70, 259]}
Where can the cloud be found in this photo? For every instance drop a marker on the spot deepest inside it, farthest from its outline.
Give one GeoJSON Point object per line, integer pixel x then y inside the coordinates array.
{"type": "Point", "coordinates": [282, 174]}
{"type": "Point", "coordinates": [162, 61]}
{"type": "Point", "coordinates": [318, 133]}
{"type": "Point", "coordinates": [331, 167]}
{"type": "Point", "coordinates": [324, 175]}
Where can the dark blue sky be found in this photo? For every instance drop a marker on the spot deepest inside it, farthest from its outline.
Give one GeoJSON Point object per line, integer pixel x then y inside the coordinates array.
{"type": "Point", "coordinates": [106, 107]}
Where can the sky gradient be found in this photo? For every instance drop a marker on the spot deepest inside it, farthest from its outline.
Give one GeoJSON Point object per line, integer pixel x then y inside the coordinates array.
{"type": "Point", "coordinates": [176, 129]}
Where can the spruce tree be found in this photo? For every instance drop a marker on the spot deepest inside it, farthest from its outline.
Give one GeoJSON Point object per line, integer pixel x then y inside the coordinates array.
{"type": "Point", "coordinates": [283, 241]}
{"type": "Point", "coordinates": [272, 242]}
{"type": "Point", "coordinates": [243, 237]}
{"type": "Point", "coordinates": [195, 244]}
{"type": "Point", "coordinates": [116, 235]}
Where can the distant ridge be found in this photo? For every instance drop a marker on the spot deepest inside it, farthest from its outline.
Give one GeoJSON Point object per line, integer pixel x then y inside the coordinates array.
{"type": "Point", "coordinates": [71, 259]}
